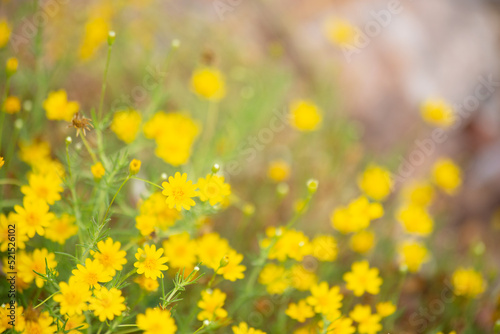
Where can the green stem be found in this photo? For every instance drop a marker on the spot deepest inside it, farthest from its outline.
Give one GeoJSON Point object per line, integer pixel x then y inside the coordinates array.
{"type": "Point", "coordinates": [126, 276]}
{"type": "Point", "coordinates": [52, 295]}
{"type": "Point", "coordinates": [76, 208]}
{"type": "Point", "coordinates": [2, 117]}
{"type": "Point", "coordinates": [143, 180]}
{"type": "Point", "coordinates": [113, 199]}
{"type": "Point", "coordinates": [103, 87]}
{"type": "Point", "coordinates": [11, 182]}
{"type": "Point", "coordinates": [87, 146]}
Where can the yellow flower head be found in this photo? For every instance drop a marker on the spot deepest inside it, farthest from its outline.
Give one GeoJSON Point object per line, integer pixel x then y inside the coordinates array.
{"type": "Point", "coordinates": [150, 261]}
{"type": "Point", "coordinates": [107, 303]}
{"type": "Point", "coordinates": [97, 170]}
{"type": "Point", "coordinates": [147, 284]}
{"type": "Point", "coordinates": [61, 229]}
{"type": "Point", "coordinates": [413, 255]}
{"type": "Point", "coordinates": [243, 328]}
{"type": "Point", "coordinates": [341, 325]}
{"type": "Point", "coordinates": [208, 83]}
{"type": "Point", "coordinates": [375, 182]}
{"type": "Point", "coordinates": [437, 112]}
{"type": "Point", "coordinates": [34, 152]}
{"type": "Point", "coordinates": [12, 105]}
{"type": "Point", "coordinates": [11, 66]}
{"type": "Point", "coordinates": [42, 323]}
{"type": "Point", "coordinates": [305, 115]}
{"type": "Point", "coordinates": [2, 161]}
{"type": "Point", "coordinates": [212, 249]}
{"type": "Point", "coordinates": [299, 311]}
{"type": "Point", "coordinates": [156, 321]}
{"type": "Point", "coordinates": [5, 31]}
{"type": "Point", "coordinates": [415, 219]}
{"type": "Point", "coordinates": [356, 216]}
{"type": "Point", "coordinates": [33, 216]}
{"type": "Point", "coordinates": [301, 278]}
{"type": "Point", "coordinates": [37, 261]}
{"type": "Point", "coordinates": [368, 323]}
{"type": "Point", "coordinates": [58, 107]}
{"type": "Point", "coordinates": [233, 270]}
{"type": "Point", "coordinates": [96, 33]}
{"type": "Point", "coordinates": [292, 244]}
{"type": "Point", "coordinates": [385, 309]}
{"type": "Point", "coordinates": [275, 278]}
{"type": "Point", "coordinates": [211, 304]}
{"type": "Point", "coordinates": [362, 242]}
{"type": "Point", "coordinates": [324, 299]}
{"type": "Point", "coordinates": [213, 189]}
{"type": "Point", "coordinates": [468, 282]}
{"type": "Point", "coordinates": [91, 274]}
{"type": "Point", "coordinates": [324, 248]}
{"type": "Point", "coordinates": [340, 32]}
{"type": "Point", "coordinates": [419, 193]}
{"type": "Point", "coordinates": [363, 279]}
{"type": "Point", "coordinates": [278, 171]}
{"type": "Point", "coordinates": [19, 233]}
{"type": "Point", "coordinates": [126, 125]}
{"type": "Point", "coordinates": [110, 256]}
{"type": "Point", "coordinates": [73, 297]}
{"type": "Point", "coordinates": [179, 192]}
{"type": "Point", "coordinates": [135, 166]}
{"type": "Point", "coordinates": [75, 321]}
{"type": "Point", "coordinates": [181, 250]}
{"type": "Point", "coordinates": [447, 175]}
{"type": "Point", "coordinates": [155, 213]}
{"type": "Point", "coordinates": [46, 187]}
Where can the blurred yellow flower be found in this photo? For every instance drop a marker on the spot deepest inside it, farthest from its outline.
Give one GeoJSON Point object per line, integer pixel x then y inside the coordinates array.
{"type": "Point", "coordinates": [233, 270]}
{"type": "Point", "coordinates": [368, 323]}
{"type": "Point", "coordinates": [91, 274]}
{"type": "Point", "coordinates": [362, 242]}
{"type": "Point", "coordinates": [437, 112]}
{"type": "Point", "coordinates": [107, 304]}
{"type": "Point", "coordinates": [324, 248]}
{"type": "Point", "coordinates": [208, 83]}
{"type": "Point", "coordinates": [12, 105]}
{"type": "Point", "coordinates": [305, 115]}
{"type": "Point", "coordinates": [278, 171]}
{"type": "Point", "coordinates": [96, 33]}
{"type": "Point", "coordinates": [363, 279]}
{"type": "Point", "coordinates": [299, 311]}
{"type": "Point", "coordinates": [275, 278]}
{"type": "Point", "coordinates": [11, 66]}
{"type": "Point", "coordinates": [97, 170]}
{"type": "Point", "coordinates": [155, 213]}
{"type": "Point", "coordinates": [126, 125]}
{"type": "Point", "coordinates": [212, 249]}
{"type": "Point", "coordinates": [243, 328]}
{"type": "Point", "coordinates": [5, 31]}
{"type": "Point", "coordinates": [375, 182]}
{"type": "Point", "coordinates": [34, 152]}
{"type": "Point", "coordinates": [325, 300]}
{"type": "Point", "coordinates": [61, 229]}
{"type": "Point", "coordinates": [46, 187]}
{"type": "Point", "coordinates": [33, 216]}
{"type": "Point", "coordinates": [19, 233]}
{"type": "Point", "coordinates": [341, 325]}
{"type": "Point", "coordinates": [110, 256]}
{"type": "Point", "coordinates": [147, 284]}
{"type": "Point", "coordinates": [340, 32]}
{"type": "Point", "coordinates": [356, 216]}
{"type": "Point", "coordinates": [150, 261]}
{"type": "Point", "coordinates": [415, 219]}
{"type": "Point", "coordinates": [2, 162]}
{"type": "Point", "coordinates": [468, 282]}
{"type": "Point", "coordinates": [213, 189]}
{"type": "Point", "coordinates": [419, 193]}
{"type": "Point", "coordinates": [156, 321]}
{"type": "Point", "coordinates": [58, 107]}
{"type": "Point", "coordinates": [38, 261]}
{"type": "Point", "coordinates": [179, 192]}
{"type": "Point", "coordinates": [301, 278]}
{"type": "Point", "coordinates": [211, 304]}
{"type": "Point", "coordinates": [135, 166]}
{"type": "Point", "coordinates": [385, 309]}
{"type": "Point", "coordinates": [292, 244]}
{"type": "Point", "coordinates": [413, 255]}
{"type": "Point", "coordinates": [75, 321]}
{"type": "Point", "coordinates": [181, 250]}
{"type": "Point", "coordinates": [447, 175]}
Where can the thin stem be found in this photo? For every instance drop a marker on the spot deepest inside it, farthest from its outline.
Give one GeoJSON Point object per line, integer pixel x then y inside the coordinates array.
{"type": "Point", "coordinates": [2, 117]}
{"type": "Point", "coordinates": [87, 146]}
{"type": "Point", "coordinates": [52, 295]}
{"type": "Point", "coordinates": [143, 180]}
{"type": "Point", "coordinates": [126, 276]}
{"type": "Point", "coordinates": [11, 182]}
{"type": "Point", "coordinates": [199, 329]}
{"type": "Point", "coordinates": [76, 208]}
{"type": "Point", "coordinates": [114, 197]}
{"type": "Point", "coordinates": [103, 87]}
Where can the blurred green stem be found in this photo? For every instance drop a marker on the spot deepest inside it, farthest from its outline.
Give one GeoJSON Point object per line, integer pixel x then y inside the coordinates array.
{"type": "Point", "coordinates": [104, 80]}
{"type": "Point", "coordinates": [87, 146]}
{"type": "Point", "coordinates": [72, 188]}
{"type": "Point", "coordinates": [114, 197]}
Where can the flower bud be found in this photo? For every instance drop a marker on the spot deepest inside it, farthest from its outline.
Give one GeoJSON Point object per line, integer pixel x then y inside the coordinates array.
{"type": "Point", "coordinates": [176, 43]}
{"type": "Point", "coordinates": [68, 140]}
{"type": "Point", "coordinates": [135, 166]}
{"type": "Point", "coordinates": [11, 66]}
{"type": "Point", "coordinates": [215, 168]}
{"type": "Point", "coordinates": [312, 186]}
{"type": "Point", "coordinates": [111, 37]}
{"type": "Point", "coordinates": [224, 261]}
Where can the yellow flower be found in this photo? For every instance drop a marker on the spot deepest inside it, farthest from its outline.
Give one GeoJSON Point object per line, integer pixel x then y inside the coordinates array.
{"type": "Point", "coordinates": [213, 189]}
{"type": "Point", "coordinates": [97, 170]}
{"type": "Point", "coordinates": [41, 324]}
{"type": "Point", "coordinates": [305, 115]}
{"type": "Point", "coordinates": [61, 229]}
{"type": "Point", "coordinates": [107, 303]}
{"type": "Point", "coordinates": [419, 193]}
{"type": "Point", "coordinates": [155, 213]}
{"type": "Point", "coordinates": [12, 105]}
{"type": "Point", "coordinates": [212, 303]}
{"type": "Point", "coordinates": [126, 125]}
{"type": "Point", "coordinates": [341, 325]}
{"type": "Point", "coordinates": [73, 297]}
{"type": "Point", "coordinates": [356, 216]}
{"type": "Point", "coordinates": [58, 107]}
{"type": "Point", "coordinates": [11, 66]}
{"type": "Point", "coordinates": [150, 261]}
{"type": "Point", "coordinates": [301, 278]}
{"type": "Point", "coordinates": [211, 249]}
{"type": "Point", "coordinates": [292, 244]}
{"type": "Point", "coordinates": [179, 192]}
{"type": "Point", "coordinates": [468, 282]}
{"type": "Point", "coordinates": [2, 161]}
{"type": "Point", "coordinates": [275, 278]}
{"type": "Point", "coordinates": [110, 256]}
{"type": "Point", "coordinates": [91, 274]}
{"type": "Point", "coordinates": [437, 112]}
{"type": "Point", "coordinates": [447, 175]}
{"type": "Point", "coordinates": [375, 182]}
{"type": "Point", "coordinates": [5, 320]}
{"type": "Point", "coordinates": [5, 31]}
{"type": "Point", "coordinates": [324, 248]}
{"type": "Point", "coordinates": [415, 219]}
{"type": "Point", "coordinates": [363, 279]}
{"type": "Point", "coordinates": [33, 216]}
{"type": "Point", "coordinates": [75, 321]}
{"type": "Point", "coordinates": [233, 270]}
{"type": "Point", "coordinates": [46, 187]}
{"type": "Point", "coordinates": [19, 233]}
{"type": "Point", "coordinates": [208, 83]}
{"type": "Point", "coordinates": [135, 166]}
{"type": "Point", "coordinates": [156, 321]}
{"type": "Point", "coordinates": [385, 309]}
{"type": "Point", "coordinates": [38, 261]}
{"type": "Point", "coordinates": [368, 323]}
{"type": "Point", "coordinates": [413, 255]}
{"type": "Point", "coordinates": [243, 328]}
{"type": "Point", "coordinates": [325, 300]}
{"type": "Point", "coordinates": [147, 284]}
{"type": "Point", "coordinates": [300, 311]}
{"type": "Point", "coordinates": [278, 171]}
{"type": "Point", "coordinates": [96, 33]}
{"type": "Point", "coordinates": [340, 32]}
{"type": "Point", "coordinates": [181, 250]}
{"type": "Point", "coordinates": [362, 242]}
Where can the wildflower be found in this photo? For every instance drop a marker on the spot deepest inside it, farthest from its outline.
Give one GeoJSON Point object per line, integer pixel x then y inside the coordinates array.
{"type": "Point", "coordinates": [275, 278]}
{"type": "Point", "coordinates": [299, 311]}
{"type": "Point", "coordinates": [38, 323]}
{"type": "Point", "coordinates": [356, 216]}
{"type": "Point", "coordinates": [467, 282]}
{"type": "Point", "coordinates": [150, 261]}
{"type": "Point", "coordinates": [212, 303]}
{"type": "Point", "coordinates": [341, 325]}
{"type": "Point", "coordinates": [243, 328]}
{"type": "Point", "coordinates": [301, 278]}
{"type": "Point", "coordinates": [156, 321]}
{"type": "Point", "coordinates": [437, 112]}
{"type": "Point", "coordinates": [80, 123]}
{"type": "Point", "coordinates": [419, 193]}
{"type": "Point", "coordinates": [110, 256]}
{"type": "Point", "coordinates": [97, 170]}
{"type": "Point", "coordinates": [73, 297]}
{"type": "Point", "coordinates": [155, 213]}
{"type": "Point", "coordinates": [91, 274]}
{"type": "Point", "coordinates": [107, 303]}
{"type": "Point", "coordinates": [362, 242]}
{"type": "Point", "coordinates": [126, 124]}
{"type": "Point", "coordinates": [211, 249]}
{"type": "Point", "coordinates": [46, 187]}
{"type": "Point", "coordinates": [325, 300]}
{"type": "Point", "coordinates": [385, 309]}
{"type": "Point", "coordinates": [75, 321]}
{"type": "Point", "coordinates": [19, 233]}
{"type": "Point", "coordinates": [413, 255]}
{"type": "Point", "coordinates": [5, 31]}
{"type": "Point", "coordinates": [135, 166]}
{"type": "Point", "coordinates": [213, 189]}
{"type": "Point", "coordinates": [37, 262]}
{"type": "Point", "coordinates": [447, 175]}
{"type": "Point", "coordinates": [96, 33]}
{"type": "Point", "coordinates": [11, 66]}
{"type": "Point", "coordinates": [278, 171]}
{"type": "Point", "coordinates": [179, 192]}
{"type": "Point", "coordinates": [363, 279]}
{"type": "Point", "coordinates": [415, 219]}
{"type": "Point", "coordinates": [146, 283]}
{"type": "Point", "coordinates": [6, 321]}
{"type": "Point", "coordinates": [12, 105]}
{"type": "Point", "coordinates": [34, 152]}
{"type": "Point", "coordinates": [368, 323]}
{"type": "Point", "coordinates": [58, 107]}
{"type": "Point", "coordinates": [324, 248]}
{"type": "Point", "coordinates": [233, 270]}
{"type": "Point", "coordinates": [61, 229]}
{"type": "Point", "coordinates": [292, 244]}
{"type": "Point", "coordinates": [208, 83]}
{"type": "Point", "coordinates": [305, 115]}
{"type": "Point", "coordinates": [375, 182]}
{"type": "Point", "coordinates": [181, 250]}
{"type": "Point", "coordinates": [34, 216]}
{"type": "Point", "coordinates": [2, 161]}
{"type": "Point", "coordinates": [340, 32]}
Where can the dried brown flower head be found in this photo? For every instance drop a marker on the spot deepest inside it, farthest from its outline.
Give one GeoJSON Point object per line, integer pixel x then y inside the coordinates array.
{"type": "Point", "coordinates": [80, 123]}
